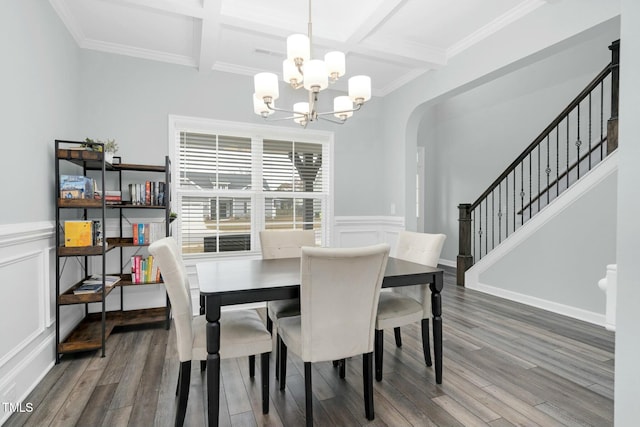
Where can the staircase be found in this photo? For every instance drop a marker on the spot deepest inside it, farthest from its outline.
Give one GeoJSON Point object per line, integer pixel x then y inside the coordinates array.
{"type": "Point", "coordinates": [574, 143]}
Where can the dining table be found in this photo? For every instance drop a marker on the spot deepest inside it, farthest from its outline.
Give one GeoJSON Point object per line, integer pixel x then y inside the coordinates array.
{"type": "Point", "coordinates": [242, 281]}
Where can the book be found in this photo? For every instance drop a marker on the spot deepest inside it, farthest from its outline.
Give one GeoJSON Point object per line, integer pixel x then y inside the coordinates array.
{"type": "Point", "coordinates": [88, 288]}
{"type": "Point", "coordinates": [97, 279]}
{"type": "Point", "coordinates": [78, 233]}
{"type": "Point", "coordinates": [76, 187]}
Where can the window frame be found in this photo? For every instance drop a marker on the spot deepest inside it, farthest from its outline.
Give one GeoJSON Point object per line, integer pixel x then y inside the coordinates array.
{"type": "Point", "coordinates": [256, 133]}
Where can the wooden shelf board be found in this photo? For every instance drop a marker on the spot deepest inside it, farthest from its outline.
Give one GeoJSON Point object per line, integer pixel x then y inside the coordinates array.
{"type": "Point", "coordinates": [80, 203]}
{"type": "Point", "coordinates": [81, 250]}
{"type": "Point", "coordinates": [70, 298]}
{"type": "Point", "coordinates": [125, 280]}
{"type": "Point", "coordinates": [88, 334]}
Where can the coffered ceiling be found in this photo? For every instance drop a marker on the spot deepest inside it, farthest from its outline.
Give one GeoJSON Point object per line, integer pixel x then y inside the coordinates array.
{"type": "Point", "coordinates": [393, 41]}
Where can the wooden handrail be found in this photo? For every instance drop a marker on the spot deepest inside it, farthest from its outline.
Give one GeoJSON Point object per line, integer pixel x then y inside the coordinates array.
{"type": "Point", "coordinates": [573, 104]}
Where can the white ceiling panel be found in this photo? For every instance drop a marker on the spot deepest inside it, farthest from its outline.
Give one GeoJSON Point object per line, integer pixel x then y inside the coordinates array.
{"type": "Point", "coordinates": [393, 41]}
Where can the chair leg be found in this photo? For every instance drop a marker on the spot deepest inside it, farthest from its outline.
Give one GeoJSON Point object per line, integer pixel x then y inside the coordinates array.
{"type": "Point", "coordinates": [342, 363]}
{"type": "Point", "coordinates": [269, 325]}
{"type": "Point", "coordinates": [203, 365]}
{"type": "Point", "coordinates": [183, 396]}
{"type": "Point", "coordinates": [252, 366]}
{"type": "Point", "coordinates": [367, 378]}
{"type": "Point", "coordinates": [278, 356]}
{"type": "Point", "coordinates": [179, 375]}
{"type": "Point", "coordinates": [283, 365]}
{"type": "Point", "coordinates": [308, 395]}
{"type": "Point", "coordinates": [264, 368]}
{"type": "Point", "coordinates": [425, 341]}
{"type": "Point", "coordinates": [378, 351]}
{"type": "Point", "coordinates": [396, 332]}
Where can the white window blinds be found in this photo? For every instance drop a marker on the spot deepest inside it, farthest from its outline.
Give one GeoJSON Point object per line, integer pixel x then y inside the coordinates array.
{"type": "Point", "coordinates": [230, 187]}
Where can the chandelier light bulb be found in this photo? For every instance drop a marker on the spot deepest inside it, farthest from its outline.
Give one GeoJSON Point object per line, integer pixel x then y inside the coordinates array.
{"type": "Point", "coordinates": [298, 48]}
{"type": "Point", "coordinates": [360, 89]}
{"type": "Point", "coordinates": [315, 75]}
{"type": "Point", "coordinates": [260, 108]}
{"type": "Point", "coordinates": [335, 64]}
{"type": "Point", "coordinates": [343, 106]}
{"type": "Point", "coordinates": [291, 74]}
{"type": "Point", "coordinates": [266, 86]}
{"type": "Point", "coordinates": [301, 112]}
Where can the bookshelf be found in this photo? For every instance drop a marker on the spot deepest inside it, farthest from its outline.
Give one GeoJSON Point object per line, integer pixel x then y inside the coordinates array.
{"type": "Point", "coordinates": [96, 326]}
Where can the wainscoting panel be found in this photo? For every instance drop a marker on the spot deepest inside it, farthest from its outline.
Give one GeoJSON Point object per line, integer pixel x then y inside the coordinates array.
{"type": "Point", "coordinates": [351, 231]}
{"type": "Point", "coordinates": [27, 308]}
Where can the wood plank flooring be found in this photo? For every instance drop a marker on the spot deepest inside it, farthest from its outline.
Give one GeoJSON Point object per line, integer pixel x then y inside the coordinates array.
{"type": "Point", "coordinates": [505, 364]}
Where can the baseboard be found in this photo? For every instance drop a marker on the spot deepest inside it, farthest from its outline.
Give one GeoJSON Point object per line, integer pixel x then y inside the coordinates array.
{"type": "Point", "coordinates": [554, 307]}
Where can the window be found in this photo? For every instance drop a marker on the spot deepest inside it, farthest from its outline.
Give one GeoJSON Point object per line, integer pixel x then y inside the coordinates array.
{"type": "Point", "coordinates": [233, 180]}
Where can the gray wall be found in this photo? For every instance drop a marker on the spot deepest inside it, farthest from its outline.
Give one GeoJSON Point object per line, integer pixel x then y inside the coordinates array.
{"type": "Point", "coordinates": [564, 259]}
{"type": "Point", "coordinates": [39, 103]}
{"type": "Point", "coordinates": [627, 381]}
{"type": "Point", "coordinates": [479, 132]}
{"type": "Point", "coordinates": [130, 99]}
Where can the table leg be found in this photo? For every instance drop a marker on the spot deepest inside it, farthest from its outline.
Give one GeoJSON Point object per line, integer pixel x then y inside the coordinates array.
{"type": "Point", "coordinates": [213, 358]}
{"type": "Point", "coordinates": [436, 309]}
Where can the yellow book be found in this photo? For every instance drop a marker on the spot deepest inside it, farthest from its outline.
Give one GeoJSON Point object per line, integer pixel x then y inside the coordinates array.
{"type": "Point", "coordinates": [78, 233]}
{"type": "Point", "coordinates": [149, 269]}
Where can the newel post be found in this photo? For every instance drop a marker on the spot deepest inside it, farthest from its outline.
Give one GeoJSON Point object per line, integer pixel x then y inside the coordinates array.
{"type": "Point", "coordinates": [465, 259]}
{"type": "Point", "coordinates": [612, 124]}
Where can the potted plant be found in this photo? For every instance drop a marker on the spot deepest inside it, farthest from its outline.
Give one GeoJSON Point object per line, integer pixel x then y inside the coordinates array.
{"type": "Point", "coordinates": [110, 147]}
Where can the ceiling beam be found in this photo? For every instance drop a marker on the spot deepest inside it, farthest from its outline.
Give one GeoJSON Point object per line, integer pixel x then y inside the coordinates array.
{"type": "Point", "coordinates": [191, 9]}
{"type": "Point", "coordinates": [209, 34]}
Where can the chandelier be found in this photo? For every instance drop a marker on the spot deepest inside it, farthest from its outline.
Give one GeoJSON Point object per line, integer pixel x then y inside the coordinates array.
{"type": "Point", "coordinates": [301, 71]}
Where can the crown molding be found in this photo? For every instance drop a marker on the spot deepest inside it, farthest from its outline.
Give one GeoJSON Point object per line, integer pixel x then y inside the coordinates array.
{"type": "Point", "coordinates": [496, 25]}
{"type": "Point", "coordinates": [138, 52]}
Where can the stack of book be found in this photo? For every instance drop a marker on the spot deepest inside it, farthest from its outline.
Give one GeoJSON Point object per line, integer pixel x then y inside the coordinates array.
{"type": "Point", "coordinates": [143, 270]}
{"type": "Point", "coordinates": [93, 284]}
{"type": "Point", "coordinates": [113, 197]}
{"type": "Point", "coordinates": [150, 193]}
{"type": "Point", "coordinates": [144, 234]}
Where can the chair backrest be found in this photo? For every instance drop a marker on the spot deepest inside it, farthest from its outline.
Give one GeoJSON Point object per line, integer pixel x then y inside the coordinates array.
{"type": "Point", "coordinates": [421, 248]}
{"type": "Point", "coordinates": [166, 255]}
{"type": "Point", "coordinates": [339, 292]}
{"type": "Point", "coordinates": [285, 243]}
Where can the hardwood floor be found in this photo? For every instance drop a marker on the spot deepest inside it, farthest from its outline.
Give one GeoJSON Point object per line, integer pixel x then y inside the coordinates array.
{"type": "Point", "coordinates": [505, 364]}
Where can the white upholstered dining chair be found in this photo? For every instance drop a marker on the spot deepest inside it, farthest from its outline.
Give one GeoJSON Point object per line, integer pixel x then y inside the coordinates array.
{"type": "Point", "coordinates": [400, 306]}
{"type": "Point", "coordinates": [242, 332]}
{"type": "Point", "coordinates": [276, 244]}
{"type": "Point", "coordinates": [330, 328]}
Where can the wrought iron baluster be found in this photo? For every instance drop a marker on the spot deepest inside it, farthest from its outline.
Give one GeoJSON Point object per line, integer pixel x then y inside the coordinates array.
{"type": "Point", "coordinates": [567, 169]}
{"type": "Point", "coordinates": [500, 213]}
{"type": "Point", "coordinates": [486, 226]}
{"type": "Point", "coordinates": [601, 120]}
{"type": "Point", "coordinates": [548, 170]}
{"type": "Point", "coordinates": [480, 231]}
{"type": "Point", "coordinates": [506, 206]}
{"type": "Point", "coordinates": [539, 193]}
{"type": "Point", "coordinates": [558, 160]}
{"type": "Point", "coordinates": [590, 136]}
{"type": "Point", "coordinates": [578, 144]}
{"type": "Point", "coordinates": [514, 199]}
{"type": "Point", "coordinates": [521, 193]}
{"type": "Point", "coordinates": [530, 200]}
{"type": "Point", "coordinates": [493, 224]}
{"type": "Point", "coordinates": [473, 235]}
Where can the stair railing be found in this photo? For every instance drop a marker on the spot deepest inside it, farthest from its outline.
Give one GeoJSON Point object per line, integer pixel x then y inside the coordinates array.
{"type": "Point", "coordinates": [555, 160]}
